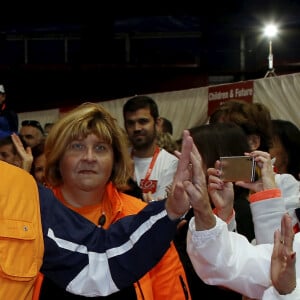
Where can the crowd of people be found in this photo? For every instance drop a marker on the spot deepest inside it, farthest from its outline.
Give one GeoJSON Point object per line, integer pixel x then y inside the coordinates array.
{"type": "Point", "coordinates": [149, 200]}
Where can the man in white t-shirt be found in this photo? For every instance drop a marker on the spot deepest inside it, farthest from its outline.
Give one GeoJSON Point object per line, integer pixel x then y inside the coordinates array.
{"type": "Point", "coordinates": [154, 167]}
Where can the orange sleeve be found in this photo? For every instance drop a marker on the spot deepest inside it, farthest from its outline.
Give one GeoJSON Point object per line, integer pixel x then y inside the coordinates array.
{"type": "Point", "coordinates": [232, 215]}
{"type": "Point", "coordinates": [263, 195]}
{"type": "Point", "coordinates": [168, 277]}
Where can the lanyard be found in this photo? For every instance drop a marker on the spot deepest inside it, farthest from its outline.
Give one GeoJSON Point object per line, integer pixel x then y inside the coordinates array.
{"type": "Point", "coordinates": [150, 168]}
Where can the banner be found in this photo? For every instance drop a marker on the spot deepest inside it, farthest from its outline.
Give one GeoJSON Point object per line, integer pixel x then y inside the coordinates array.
{"type": "Point", "coordinates": [218, 94]}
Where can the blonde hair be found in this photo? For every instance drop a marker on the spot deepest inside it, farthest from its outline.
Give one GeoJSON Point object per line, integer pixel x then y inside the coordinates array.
{"type": "Point", "coordinates": [85, 119]}
{"type": "Point", "coordinates": [165, 140]}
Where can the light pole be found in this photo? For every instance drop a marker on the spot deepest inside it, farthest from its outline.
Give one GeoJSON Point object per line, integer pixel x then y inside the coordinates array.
{"type": "Point", "coordinates": [270, 31]}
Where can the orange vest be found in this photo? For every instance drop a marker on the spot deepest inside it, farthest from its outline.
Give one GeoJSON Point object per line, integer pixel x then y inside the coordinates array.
{"type": "Point", "coordinates": [21, 238]}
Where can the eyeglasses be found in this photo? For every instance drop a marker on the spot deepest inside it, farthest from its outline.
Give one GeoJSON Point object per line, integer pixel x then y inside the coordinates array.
{"type": "Point", "coordinates": [33, 123]}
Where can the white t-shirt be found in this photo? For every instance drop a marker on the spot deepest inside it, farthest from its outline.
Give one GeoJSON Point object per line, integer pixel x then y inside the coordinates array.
{"type": "Point", "coordinates": [163, 171]}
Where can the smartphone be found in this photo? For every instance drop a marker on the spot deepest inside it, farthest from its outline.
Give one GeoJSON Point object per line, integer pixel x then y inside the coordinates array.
{"type": "Point", "coordinates": [237, 168]}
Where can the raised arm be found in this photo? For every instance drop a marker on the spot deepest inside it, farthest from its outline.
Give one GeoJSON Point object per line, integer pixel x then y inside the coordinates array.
{"type": "Point", "coordinates": [25, 154]}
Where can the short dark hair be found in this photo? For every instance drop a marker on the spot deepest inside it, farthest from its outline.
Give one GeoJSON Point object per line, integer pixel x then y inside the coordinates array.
{"type": "Point", "coordinates": [219, 139]}
{"type": "Point", "coordinates": [139, 102]}
{"type": "Point", "coordinates": [33, 123]}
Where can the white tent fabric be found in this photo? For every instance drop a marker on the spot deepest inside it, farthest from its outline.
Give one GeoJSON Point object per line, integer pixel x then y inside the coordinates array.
{"type": "Point", "coordinates": [188, 108]}
{"type": "Point", "coordinates": [43, 116]}
{"type": "Point", "coordinates": [185, 108]}
{"type": "Point", "coordinates": [281, 95]}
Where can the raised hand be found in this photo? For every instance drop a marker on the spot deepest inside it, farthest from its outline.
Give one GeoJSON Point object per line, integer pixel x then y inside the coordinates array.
{"type": "Point", "coordinates": [25, 154]}
{"type": "Point", "coordinates": [189, 185]}
{"type": "Point", "coordinates": [266, 178]}
{"type": "Point", "coordinates": [221, 193]}
{"type": "Point", "coordinates": [178, 201]}
{"type": "Point", "coordinates": [283, 272]}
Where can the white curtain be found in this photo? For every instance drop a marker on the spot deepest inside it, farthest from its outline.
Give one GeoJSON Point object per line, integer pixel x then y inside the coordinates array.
{"type": "Point", "coordinates": [188, 108]}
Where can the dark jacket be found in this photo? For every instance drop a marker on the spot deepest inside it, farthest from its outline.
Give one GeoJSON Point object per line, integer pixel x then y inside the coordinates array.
{"type": "Point", "coordinates": [9, 120]}
{"type": "Point", "coordinates": [76, 248]}
{"type": "Point", "coordinates": [166, 279]}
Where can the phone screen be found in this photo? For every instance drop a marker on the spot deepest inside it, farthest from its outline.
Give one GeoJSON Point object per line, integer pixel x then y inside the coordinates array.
{"type": "Point", "coordinates": [237, 168]}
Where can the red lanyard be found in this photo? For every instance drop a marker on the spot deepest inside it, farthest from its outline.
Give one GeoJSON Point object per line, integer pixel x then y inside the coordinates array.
{"type": "Point", "coordinates": [150, 168]}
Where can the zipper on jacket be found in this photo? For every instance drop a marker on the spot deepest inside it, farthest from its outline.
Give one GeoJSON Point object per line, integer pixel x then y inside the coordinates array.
{"type": "Point", "coordinates": [185, 290]}
{"type": "Point", "coordinates": [141, 291]}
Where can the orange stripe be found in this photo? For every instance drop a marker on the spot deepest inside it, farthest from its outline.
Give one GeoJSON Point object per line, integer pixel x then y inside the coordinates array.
{"type": "Point", "coordinates": [263, 195]}
{"type": "Point", "coordinates": [215, 211]}
{"type": "Point", "coordinates": [37, 286]}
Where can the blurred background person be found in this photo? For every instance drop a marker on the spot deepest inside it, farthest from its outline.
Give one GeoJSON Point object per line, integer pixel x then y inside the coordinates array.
{"type": "Point", "coordinates": [14, 150]}
{"type": "Point", "coordinates": [285, 147]}
{"type": "Point", "coordinates": [165, 125]}
{"type": "Point", "coordinates": [255, 120]}
{"type": "Point", "coordinates": [164, 135]}
{"type": "Point", "coordinates": [47, 128]}
{"type": "Point", "coordinates": [166, 141]}
{"type": "Point", "coordinates": [32, 132]}
{"type": "Point", "coordinates": [9, 120]}
{"type": "Point", "coordinates": [39, 163]}
{"type": "Point", "coordinates": [8, 152]}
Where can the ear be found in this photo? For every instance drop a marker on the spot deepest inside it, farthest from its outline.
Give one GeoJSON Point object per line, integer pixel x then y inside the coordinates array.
{"type": "Point", "coordinates": [253, 141]}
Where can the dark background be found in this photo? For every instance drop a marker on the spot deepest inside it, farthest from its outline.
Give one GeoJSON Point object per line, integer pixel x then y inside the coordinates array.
{"type": "Point", "coordinates": [53, 56]}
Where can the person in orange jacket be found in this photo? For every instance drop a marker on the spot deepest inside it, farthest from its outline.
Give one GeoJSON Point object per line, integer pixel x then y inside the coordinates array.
{"type": "Point", "coordinates": [88, 167]}
{"type": "Point", "coordinates": [38, 232]}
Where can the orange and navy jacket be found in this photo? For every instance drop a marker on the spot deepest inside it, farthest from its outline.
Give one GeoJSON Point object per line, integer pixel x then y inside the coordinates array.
{"type": "Point", "coordinates": [166, 280]}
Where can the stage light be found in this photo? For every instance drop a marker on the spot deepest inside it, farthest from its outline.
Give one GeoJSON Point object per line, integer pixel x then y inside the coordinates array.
{"type": "Point", "coordinates": [270, 32]}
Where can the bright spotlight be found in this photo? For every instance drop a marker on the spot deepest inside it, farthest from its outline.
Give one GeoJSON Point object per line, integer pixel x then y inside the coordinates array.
{"type": "Point", "coordinates": [271, 30]}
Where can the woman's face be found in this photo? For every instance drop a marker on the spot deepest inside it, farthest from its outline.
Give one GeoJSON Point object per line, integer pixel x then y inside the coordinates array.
{"type": "Point", "coordinates": [87, 164]}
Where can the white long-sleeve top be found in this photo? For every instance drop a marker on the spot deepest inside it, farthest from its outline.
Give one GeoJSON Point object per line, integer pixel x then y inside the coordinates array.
{"type": "Point", "coordinates": [225, 258]}
{"type": "Point", "coordinates": [267, 213]}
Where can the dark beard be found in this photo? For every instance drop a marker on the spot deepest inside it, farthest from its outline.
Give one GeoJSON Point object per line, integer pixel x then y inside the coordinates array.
{"type": "Point", "coordinates": [144, 145]}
